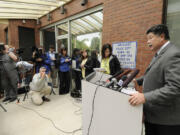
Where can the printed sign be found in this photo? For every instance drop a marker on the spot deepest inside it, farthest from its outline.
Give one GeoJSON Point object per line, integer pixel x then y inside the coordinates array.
{"type": "Point", "coordinates": [126, 53]}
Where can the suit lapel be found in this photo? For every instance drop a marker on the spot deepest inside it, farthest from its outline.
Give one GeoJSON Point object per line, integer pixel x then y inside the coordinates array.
{"type": "Point", "coordinates": [159, 56]}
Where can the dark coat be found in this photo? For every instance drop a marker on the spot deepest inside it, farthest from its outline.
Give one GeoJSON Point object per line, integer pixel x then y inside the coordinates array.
{"type": "Point", "coordinates": [90, 64]}
{"type": "Point", "coordinates": [114, 65]}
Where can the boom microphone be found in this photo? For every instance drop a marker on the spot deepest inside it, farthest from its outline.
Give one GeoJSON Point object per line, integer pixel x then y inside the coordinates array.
{"type": "Point", "coordinates": [130, 78]}
{"type": "Point", "coordinates": [120, 83]}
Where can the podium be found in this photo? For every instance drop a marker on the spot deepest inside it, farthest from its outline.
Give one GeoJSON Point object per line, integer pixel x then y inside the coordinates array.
{"type": "Point", "coordinates": [112, 113]}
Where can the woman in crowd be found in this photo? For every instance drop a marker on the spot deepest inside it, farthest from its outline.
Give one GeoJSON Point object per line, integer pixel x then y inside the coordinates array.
{"type": "Point", "coordinates": [38, 58]}
{"type": "Point", "coordinates": [84, 59]}
{"type": "Point", "coordinates": [77, 72]}
{"type": "Point", "coordinates": [64, 74]}
{"type": "Point", "coordinates": [109, 62]}
{"type": "Point", "coordinates": [92, 62]}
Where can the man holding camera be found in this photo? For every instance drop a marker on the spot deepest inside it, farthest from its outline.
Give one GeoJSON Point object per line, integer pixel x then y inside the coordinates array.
{"type": "Point", "coordinates": [39, 87]}
{"type": "Point", "coordinates": [9, 75]}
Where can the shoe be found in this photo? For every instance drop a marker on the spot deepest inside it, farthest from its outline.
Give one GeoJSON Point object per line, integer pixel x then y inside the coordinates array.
{"type": "Point", "coordinates": [45, 99]}
{"type": "Point", "coordinates": [6, 99]}
{"type": "Point", "coordinates": [12, 99]}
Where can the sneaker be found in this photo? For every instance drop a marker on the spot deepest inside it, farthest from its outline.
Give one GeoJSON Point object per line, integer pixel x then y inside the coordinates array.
{"type": "Point", "coordinates": [45, 99]}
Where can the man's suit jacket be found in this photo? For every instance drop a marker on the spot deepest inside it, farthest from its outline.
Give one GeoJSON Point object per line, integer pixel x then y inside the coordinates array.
{"type": "Point", "coordinates": [161, 88]}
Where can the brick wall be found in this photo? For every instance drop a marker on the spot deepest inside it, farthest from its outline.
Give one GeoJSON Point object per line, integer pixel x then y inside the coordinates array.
{"type": "Point", "coordinates": [128, 20]}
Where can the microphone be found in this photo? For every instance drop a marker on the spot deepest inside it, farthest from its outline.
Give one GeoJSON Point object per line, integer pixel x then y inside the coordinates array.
{"type": "Point", "coordinates": [118, 73]}
{"type": "Point", "coordinates": [130, 78]}
{"type": "Point", "coordinates": [124, 73]}
{"type": "Point", "coordinates": [113, 81]}
{"type": "Point", "coordinates": [120, 83]}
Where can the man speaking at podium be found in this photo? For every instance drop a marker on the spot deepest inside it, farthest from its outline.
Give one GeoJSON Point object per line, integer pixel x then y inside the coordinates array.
{"type": "Point", "coordinates": [161, 85]}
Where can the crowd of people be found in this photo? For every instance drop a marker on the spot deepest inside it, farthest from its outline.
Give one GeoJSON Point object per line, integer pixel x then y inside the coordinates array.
{"type": "Point", "coordinates": [57, 68]}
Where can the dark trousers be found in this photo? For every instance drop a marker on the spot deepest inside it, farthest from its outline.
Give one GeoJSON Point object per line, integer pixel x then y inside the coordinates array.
{"type": "Point", "coordinates": [9, 83]}
{"type": "Point", "coordinates": [78, 77]}
{"type": "Point", "coordinates": [154, 129]}
{"type": "Point", "coordinates": [64, 82]}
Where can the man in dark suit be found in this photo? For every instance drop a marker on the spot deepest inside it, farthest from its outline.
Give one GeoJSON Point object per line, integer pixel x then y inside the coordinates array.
{"type": "Point", "coordinates": [161, 85]}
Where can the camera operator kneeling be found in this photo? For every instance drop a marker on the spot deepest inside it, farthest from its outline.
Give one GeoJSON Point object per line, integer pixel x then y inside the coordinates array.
{"type": "Point", "coordinates": [39, 87]}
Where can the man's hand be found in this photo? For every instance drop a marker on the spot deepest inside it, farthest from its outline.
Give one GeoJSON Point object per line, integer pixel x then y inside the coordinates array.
{"type": "Point", "coordinates": [137, 99]}
{"type": "Point", "coordinates": [67, 60]}
{"type": "Point", "coordinates": [43, 74]}
{"type": "Point", "coordinates": [82, 65]}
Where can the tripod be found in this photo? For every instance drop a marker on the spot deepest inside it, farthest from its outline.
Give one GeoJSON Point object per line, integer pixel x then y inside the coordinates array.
{"type": "Point", "coordinates": [23, 71]}
{"type": "Point", "coordinates": [3, 108]}
{"type": "Point", "coordinates": [1, 63]}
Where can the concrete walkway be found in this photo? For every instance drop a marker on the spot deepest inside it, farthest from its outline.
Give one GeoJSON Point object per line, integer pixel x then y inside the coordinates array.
{"type": "Point", "coordinates": [65, 112]}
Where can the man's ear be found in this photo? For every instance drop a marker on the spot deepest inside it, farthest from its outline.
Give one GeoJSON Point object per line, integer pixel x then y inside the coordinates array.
{"type": "Point", "coordinates": [162, 36]}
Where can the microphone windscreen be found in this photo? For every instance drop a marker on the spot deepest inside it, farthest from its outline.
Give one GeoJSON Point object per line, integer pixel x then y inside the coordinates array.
{"type": "Point", "coordinates": [117, 74]}
{"type": "Point", "coordinates": [124, 73]}
{"type": "Point", "coordinates": [130, 78]}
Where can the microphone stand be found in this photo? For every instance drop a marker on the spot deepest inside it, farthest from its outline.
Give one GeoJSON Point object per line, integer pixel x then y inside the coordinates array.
{"type": "Point", "coordinates": [1, 62]}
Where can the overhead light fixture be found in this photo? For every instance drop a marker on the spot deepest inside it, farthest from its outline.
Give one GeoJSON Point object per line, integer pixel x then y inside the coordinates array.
{"type": "Point", "coordinates": [63, 10]}
{"type": "Point", "coordinates": [49, 17]}
{"type": "Point", "coordinates": [84, 2]}
{"type": "Point", "coordinates": [38, 21]}
{"type": "Point", "coordinates": [23, 21]}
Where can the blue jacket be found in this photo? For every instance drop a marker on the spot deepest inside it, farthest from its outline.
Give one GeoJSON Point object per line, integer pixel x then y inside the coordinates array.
{"type": "Point", "coordinates": [77, 61]}
{"type": "Point", "coordinates": [47, 62]}
{"type": "Point", "coordinates": [64, 66]}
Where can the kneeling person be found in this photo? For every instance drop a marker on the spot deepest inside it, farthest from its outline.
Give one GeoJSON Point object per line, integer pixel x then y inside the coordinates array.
{"type": "Point", "coordinates": [39, 87]}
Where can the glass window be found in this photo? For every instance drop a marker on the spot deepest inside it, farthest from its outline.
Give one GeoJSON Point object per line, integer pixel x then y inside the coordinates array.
{"type": "Point", "coordinates": [173, 20]}
{"type": "Point", "coordinates": [62, 29]}
{"type": "Point", "coordinates": [86, 32]}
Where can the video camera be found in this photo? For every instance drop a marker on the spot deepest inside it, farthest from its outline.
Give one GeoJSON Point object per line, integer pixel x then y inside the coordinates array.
{"type": "Point", "coordinates": [20, 51]}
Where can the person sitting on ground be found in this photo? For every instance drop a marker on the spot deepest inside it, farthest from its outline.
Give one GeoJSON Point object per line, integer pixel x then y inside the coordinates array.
{"type": "Point", "coordinates": [39, 87]}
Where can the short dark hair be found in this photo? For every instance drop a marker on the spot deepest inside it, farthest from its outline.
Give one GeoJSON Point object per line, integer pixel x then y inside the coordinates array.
{"type": "Point", "coordinates": [2, 46]}
{"type": "Point", "coordinates": [106, 46]}
{"type": "Point", "coordinates": [158, 30]}
{"type": "Point", "coordinates": [51, 47]}
{"type": "Point", "coordinates": [82, 57]}
{"type": "Point", "coordinates": [94, 54]}
{"type": "Point", "coordinates": [63, 49]}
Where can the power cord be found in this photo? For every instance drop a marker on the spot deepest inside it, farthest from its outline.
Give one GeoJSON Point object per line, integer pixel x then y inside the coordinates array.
{"type": "Point", "coordinates": [92, 115]}
{"type": "Point", "coordinates": [66, 132]}
{"type": "Point", "coordinates": [80, 108]}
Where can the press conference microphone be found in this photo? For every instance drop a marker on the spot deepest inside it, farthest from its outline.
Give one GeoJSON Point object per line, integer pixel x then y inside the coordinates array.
{"type": "Point", "coordinates": [124, 73]}
{"type": "Point", "coordinates": [117, 74]}
{"type": "Point", "coordinates": [120, 83]}
{"type": "Point", "coordinates": [130, 78]}
{"type": "Point", "coordinates": [113, 81]}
